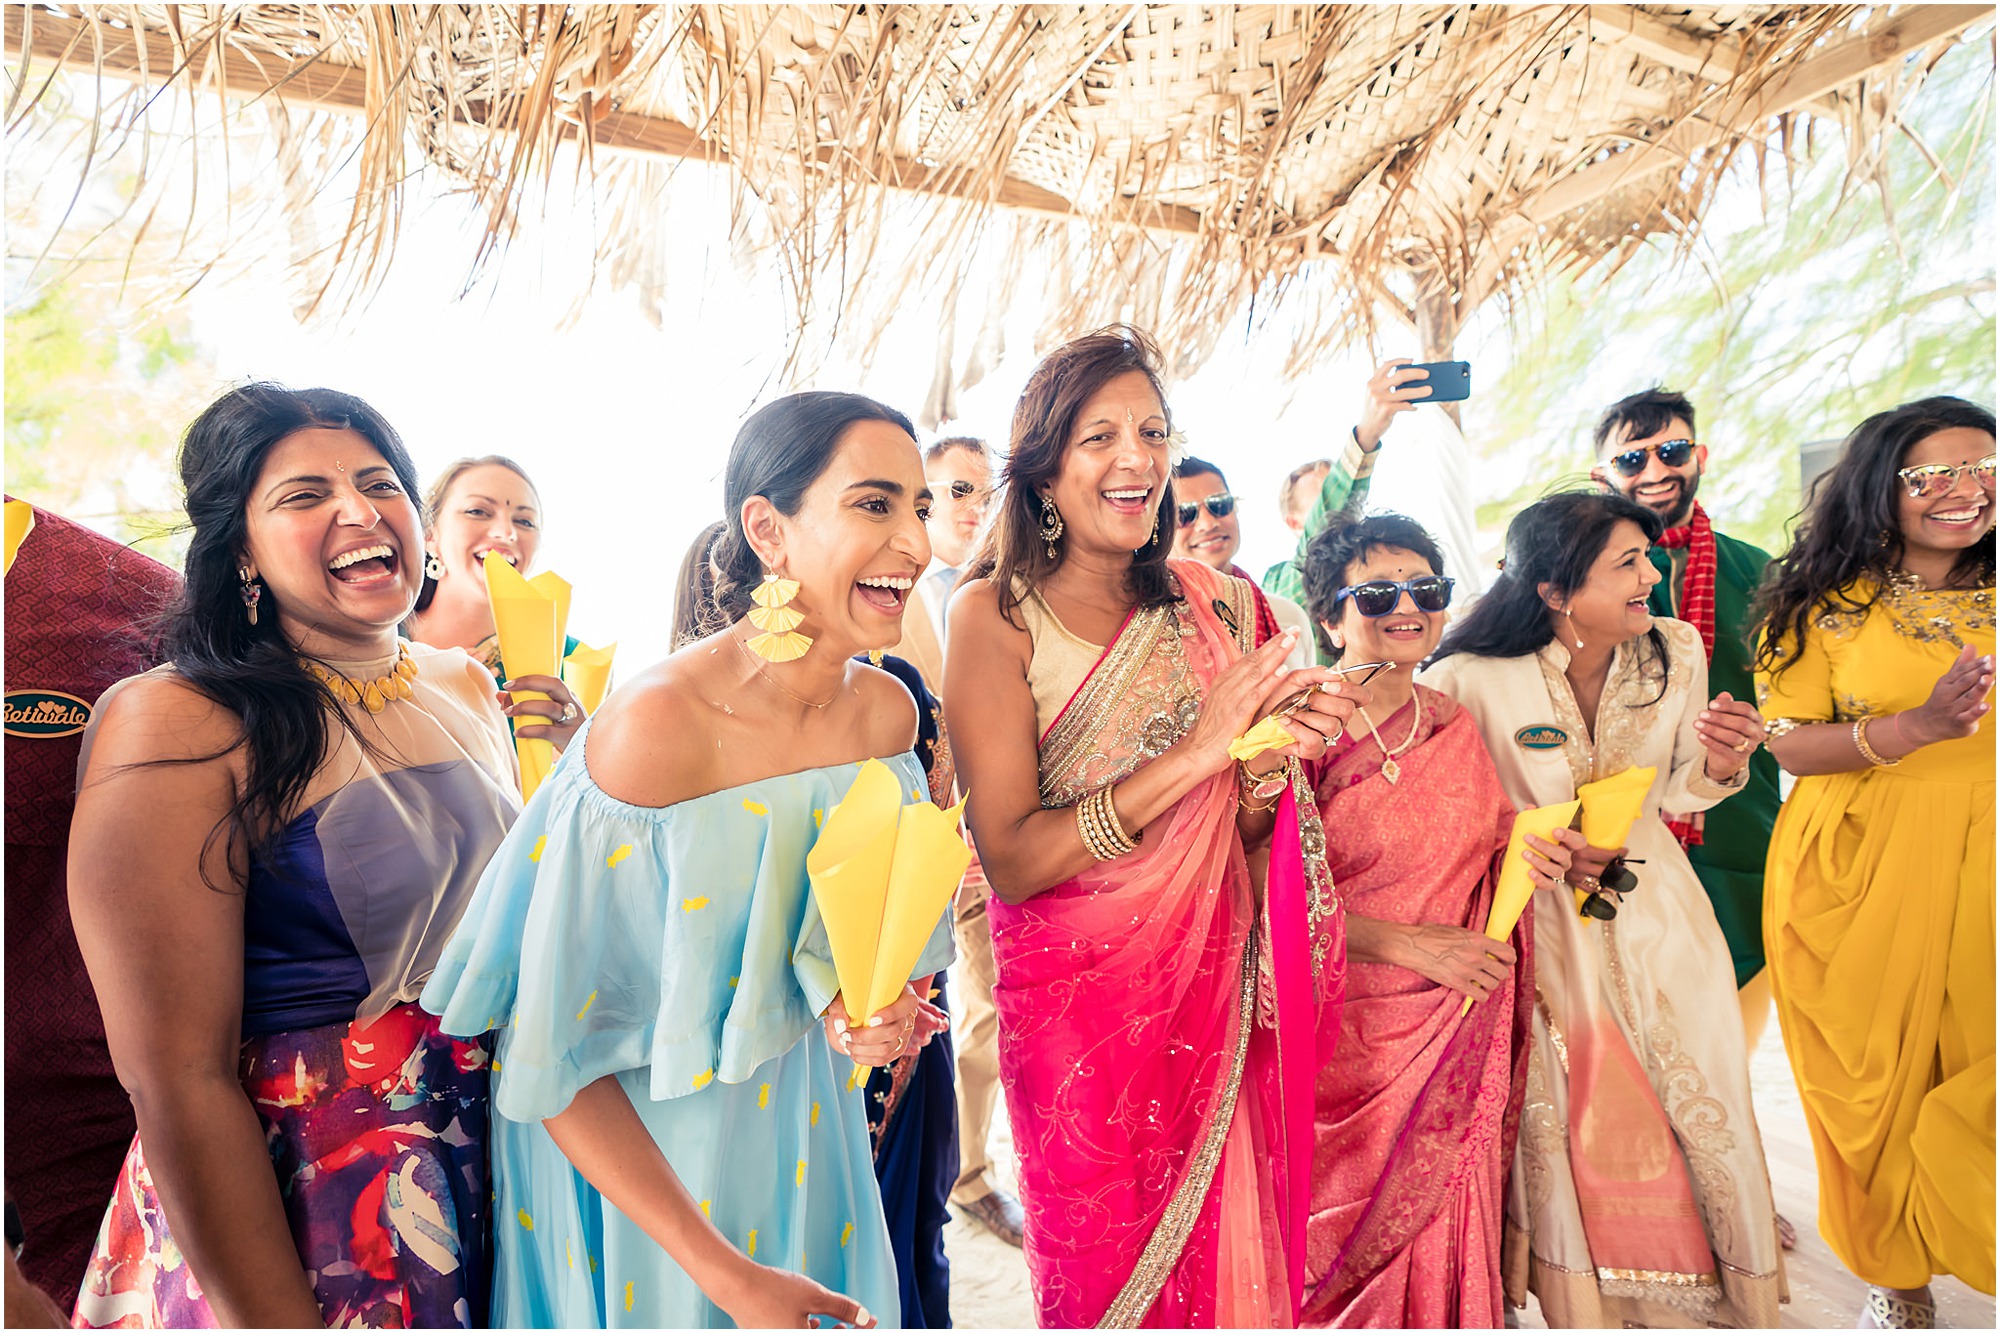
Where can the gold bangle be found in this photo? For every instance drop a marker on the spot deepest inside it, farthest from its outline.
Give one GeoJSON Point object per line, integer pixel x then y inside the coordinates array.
{"type": "Point", "coordinates": [1113, 828]}
{"type": "Point", "coordinates": [1086, 827]}
{"type": "Point", "coordinates": [1867, 750]}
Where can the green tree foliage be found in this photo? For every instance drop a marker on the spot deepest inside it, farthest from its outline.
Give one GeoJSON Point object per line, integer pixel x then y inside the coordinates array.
{"type": "Point", "coordinates": [1813, 299]}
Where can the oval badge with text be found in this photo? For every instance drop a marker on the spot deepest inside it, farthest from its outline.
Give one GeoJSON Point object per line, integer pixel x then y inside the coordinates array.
{"type": "Point", "coordinates": [45, 713]}
{"type": "Point", "coordinates": [1545, 736]}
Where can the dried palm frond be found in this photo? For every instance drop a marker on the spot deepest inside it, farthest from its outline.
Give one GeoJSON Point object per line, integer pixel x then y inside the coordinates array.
{"type": "Point", "coordinates": [1185, 167]}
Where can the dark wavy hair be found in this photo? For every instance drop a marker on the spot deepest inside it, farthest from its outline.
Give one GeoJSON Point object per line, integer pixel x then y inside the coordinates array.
{"type": "Point", "coordinates": [1553, 541]}
{"type": "Point", "coordinates": [1043, 420]}
{"type": "Point", "coordinates": [434, 501]}
{"type": "Point", "coordinates": [696, 614]}
{"type": "Point", "coordinates": [1849, 538]}
{"type": "Point", "coordinates": [287, 715]}
{"type": "Point", "coordinates": [1638, 415]}
{"type": "Point", "coordinates": [779, 452]}
{"type": "Point", "coordinates": [1331, 553]}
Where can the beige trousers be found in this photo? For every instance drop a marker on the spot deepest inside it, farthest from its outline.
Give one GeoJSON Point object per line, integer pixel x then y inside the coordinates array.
{"type": "Point", "coordinates": [974, 1036]}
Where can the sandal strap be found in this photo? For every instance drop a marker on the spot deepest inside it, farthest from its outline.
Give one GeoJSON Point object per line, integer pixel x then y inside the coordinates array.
{"type": "Point", "coordinates": [1900, 1312]}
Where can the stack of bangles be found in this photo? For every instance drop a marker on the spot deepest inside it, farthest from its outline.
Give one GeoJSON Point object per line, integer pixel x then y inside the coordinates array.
{"type": "Point", "coordinates": [1868, 751]}
{"type": "Point", "coordinates": [1097, 821]}
{"type": "Point", "coordinates": [1258, 792]}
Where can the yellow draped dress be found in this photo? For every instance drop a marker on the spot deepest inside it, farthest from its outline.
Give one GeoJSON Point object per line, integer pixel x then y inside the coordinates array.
{"type": "Point", "coordinates": [1879, 922]}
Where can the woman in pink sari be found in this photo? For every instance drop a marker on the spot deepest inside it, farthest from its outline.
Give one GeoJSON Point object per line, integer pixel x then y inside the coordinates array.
{"type": "Point", "coordinates": [1155, 987]}
{"type": "Point", "coordinates": [1414, 1123]}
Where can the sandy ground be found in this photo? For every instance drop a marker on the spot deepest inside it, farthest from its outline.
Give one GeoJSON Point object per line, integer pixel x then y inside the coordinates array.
{"type": "Point", "coordinates": [989, 1283]}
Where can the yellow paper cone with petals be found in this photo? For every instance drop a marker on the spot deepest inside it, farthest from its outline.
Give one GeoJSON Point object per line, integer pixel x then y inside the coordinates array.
{"type": "Point", "coordinates": [1610, 807]}
{"type": "Point", "coordinates": [587, 672]}
{"type": "Point", "coordinates": [1270, 734]}
{"type": "Point", "coordinates": [529, 617]}
{"type": "Point", "coordinates": [931, 859]}
{"type": "Point", "coordinates": [1515, 889]}
{"type": "Point", "coordinates": [883, 873]}
{"type": "Point", "coordinates": [20, 522]}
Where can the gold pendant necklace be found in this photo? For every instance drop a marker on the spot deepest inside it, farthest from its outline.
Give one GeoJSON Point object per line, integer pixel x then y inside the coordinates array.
{"type": "Point", "coordinates": [1390, 768]}
{"type": "Point", "coordinates": [373, 695]}
{"type": "Point", "coordinates": [777, 685]}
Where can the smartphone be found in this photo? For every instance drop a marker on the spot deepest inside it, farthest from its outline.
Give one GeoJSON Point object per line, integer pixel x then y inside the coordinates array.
{"type": "Point", "coordinates": [1449, 382]}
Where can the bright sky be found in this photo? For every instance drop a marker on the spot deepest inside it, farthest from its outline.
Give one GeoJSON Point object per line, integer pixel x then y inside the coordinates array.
{"type": "Point", "coordinates": [625, 427]}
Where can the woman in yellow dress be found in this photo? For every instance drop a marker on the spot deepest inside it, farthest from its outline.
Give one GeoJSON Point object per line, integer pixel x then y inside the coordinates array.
{"type": "Point", "coordinates": [1875, 667]}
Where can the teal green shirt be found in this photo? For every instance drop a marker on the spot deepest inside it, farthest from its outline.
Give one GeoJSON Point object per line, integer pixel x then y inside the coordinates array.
{"type": "Point", "coordinates": [1342, 497]}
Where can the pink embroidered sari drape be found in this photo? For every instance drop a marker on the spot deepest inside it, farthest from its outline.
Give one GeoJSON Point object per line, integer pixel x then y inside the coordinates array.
{"type": "Point", "coordinates": [1415, 1120]}
{"type": "Point", "coordinates": [1163, 1127]}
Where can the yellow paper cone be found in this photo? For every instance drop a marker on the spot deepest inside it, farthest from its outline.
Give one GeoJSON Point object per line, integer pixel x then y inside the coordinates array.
{"type": "Point", "coordinates": [1270, 734]}
{"type": "Point", "coordinates": [1610, 807]}
{"type": "Point", "coordinates": [526, 616]}
{"type": "Point", "coordinates": [931, 859]}
{"type": "Point", "coordinates": [587, 672]}
{"type": "Point", "coordinates": [849, 870]}
{"type": "Point", "coordinates": [1515, 889]}
{"type": "Point", "coordinates": [554, 587]}
{"type": "Point", "coordinates": [20, 522]}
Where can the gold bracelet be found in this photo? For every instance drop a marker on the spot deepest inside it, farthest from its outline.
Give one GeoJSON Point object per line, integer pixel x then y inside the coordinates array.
{"type": "Point", "coordinates": [1086, 827]}
{"type": "Point", "coordinates": [1867, 750]}
{"type": "Point", "coordinates": [1113, 828]}
{"type": "Point", "coordinates": [1097, 820]}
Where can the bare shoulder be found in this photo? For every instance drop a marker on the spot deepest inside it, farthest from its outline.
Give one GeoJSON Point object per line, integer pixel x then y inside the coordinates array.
{"type": "Point", "coordinates": [889, 708]}
{"type": "Point", "coordinates": [161, 716]}
{"type": "Point", "coordinates": [977, 615]}
{"type": "Point", "coordinates": [652, 742]}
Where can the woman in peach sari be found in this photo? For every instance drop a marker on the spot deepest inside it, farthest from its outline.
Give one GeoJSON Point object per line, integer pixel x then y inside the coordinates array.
{"type": "Point", "coordinates": [1155, 987]}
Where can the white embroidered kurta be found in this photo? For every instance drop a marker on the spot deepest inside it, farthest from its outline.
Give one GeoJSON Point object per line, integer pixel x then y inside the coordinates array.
{"type": "Point", "coordinates": [1659, 977]}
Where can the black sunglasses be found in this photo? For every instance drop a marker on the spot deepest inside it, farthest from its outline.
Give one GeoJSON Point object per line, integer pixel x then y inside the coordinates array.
{"type": "Point", "coordinates": [1674, 453]}
{"type": "Point", "coordinates": [965, 490]}
{"type": "Point", "coordinates": [1222, 505]}
{"type": "Point", "coordinates": [1378, 597]}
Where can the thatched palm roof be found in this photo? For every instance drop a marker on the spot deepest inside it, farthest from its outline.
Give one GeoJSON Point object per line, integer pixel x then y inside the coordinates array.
{"type": "Point", "coordinates": [1162, 163]}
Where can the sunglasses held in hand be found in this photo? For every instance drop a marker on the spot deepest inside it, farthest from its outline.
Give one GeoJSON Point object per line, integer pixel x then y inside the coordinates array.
{"type": "Point", "coordinates": [1221, 505]}
{"type": "Point", "coordinates": [1378, 597]}
{"type": "Point", "coordinates": [1293, 703]}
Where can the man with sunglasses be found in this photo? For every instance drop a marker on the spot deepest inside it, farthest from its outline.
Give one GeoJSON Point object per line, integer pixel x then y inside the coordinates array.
{"type": "Point", "coordinates": [1646, 451]}
{"type": "Point", "coordinates": [1207, 529]}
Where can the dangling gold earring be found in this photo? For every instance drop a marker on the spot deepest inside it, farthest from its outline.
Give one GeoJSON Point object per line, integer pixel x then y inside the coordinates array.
{"type": "Point", "coordinates": [1572, 627]}
{"type": "Point", "coordinates": [1154, 535]}
{"type": "Point", "coordinates": [1052, 525]}
{"type": "Point", "coordinates": [774, 615]}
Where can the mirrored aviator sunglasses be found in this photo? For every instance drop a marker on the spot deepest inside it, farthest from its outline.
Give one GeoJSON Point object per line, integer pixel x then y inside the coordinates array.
{"type": "Point", "coordinates": [1221, 505]}
{"type": "Point", "coordinates": [1378, 597]}
{"type": "Point", "coordinates": [1935, 479]}
{"type": "Point", "coordinates": [1674, 453]}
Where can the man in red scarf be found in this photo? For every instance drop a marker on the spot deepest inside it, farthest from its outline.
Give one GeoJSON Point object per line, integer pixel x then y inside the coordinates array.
{"type": "Point", "coordinates": [1208, 530]}
{"type": "Point", "coordinates": [1647, 450]}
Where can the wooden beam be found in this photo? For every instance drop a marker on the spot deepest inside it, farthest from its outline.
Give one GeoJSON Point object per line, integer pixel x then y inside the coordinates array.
{"type": "Point", "coordinates": [1664, 44]}
{"type": "Point", "coordinates": [82, 44]}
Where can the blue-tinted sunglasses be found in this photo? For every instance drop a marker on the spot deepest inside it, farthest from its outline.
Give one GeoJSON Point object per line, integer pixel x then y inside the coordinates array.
{"type": "Point", "coordinates": [1378, 597]}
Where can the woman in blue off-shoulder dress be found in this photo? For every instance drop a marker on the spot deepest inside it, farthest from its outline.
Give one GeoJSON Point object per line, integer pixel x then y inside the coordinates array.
{"type": "Point", "coordinates": [679, 1137]}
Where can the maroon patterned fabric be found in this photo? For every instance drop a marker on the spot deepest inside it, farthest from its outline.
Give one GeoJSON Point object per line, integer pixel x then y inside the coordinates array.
{"type": "Point", "coordinates": [79, 613]}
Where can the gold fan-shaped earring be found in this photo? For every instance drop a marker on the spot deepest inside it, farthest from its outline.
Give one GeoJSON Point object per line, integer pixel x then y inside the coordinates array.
{"type": "Point", "coordinates": [773, 614]}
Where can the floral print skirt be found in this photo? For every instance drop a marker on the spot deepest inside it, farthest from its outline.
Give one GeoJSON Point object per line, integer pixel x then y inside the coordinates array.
{"type": "Point", "coordinates": [377, 1133]}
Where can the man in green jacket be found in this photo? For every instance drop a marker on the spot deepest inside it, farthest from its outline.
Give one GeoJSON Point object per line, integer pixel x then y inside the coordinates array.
{"type": "Point", "coordinates": [1647, 451]}
{"type": "Point", "coordinates": [1396, 387]}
